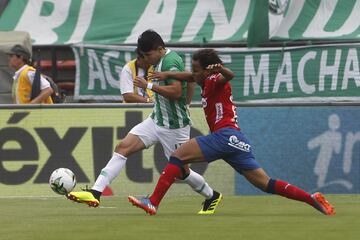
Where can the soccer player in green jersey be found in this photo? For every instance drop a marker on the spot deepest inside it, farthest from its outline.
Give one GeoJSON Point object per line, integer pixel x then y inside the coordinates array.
{"type": "Point", "coordinates": [168, 124]}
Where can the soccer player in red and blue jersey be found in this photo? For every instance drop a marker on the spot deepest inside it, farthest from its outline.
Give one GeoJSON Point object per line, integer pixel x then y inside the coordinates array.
{"type": "Point", "coordinates": [226, 141]}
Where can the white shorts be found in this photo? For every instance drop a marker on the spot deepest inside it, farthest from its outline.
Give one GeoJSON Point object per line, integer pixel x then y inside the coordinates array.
{"type": "Point", "coordinates": [150, 133]}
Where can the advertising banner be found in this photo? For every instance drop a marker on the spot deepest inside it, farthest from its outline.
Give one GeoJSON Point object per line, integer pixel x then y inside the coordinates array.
{"type": "Point", "coordinates": [315, 148]}
{"type": "Point", "coordinates": [319, 153]}
{"type": "Point", "coordinates": [195, 21]}
{"type": "Point", "coordinates": [34, 142]}
{"type": "Point", "coordinates": [317, 73]}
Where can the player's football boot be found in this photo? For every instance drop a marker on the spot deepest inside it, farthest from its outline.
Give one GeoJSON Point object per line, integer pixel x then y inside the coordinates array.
{"type": "Point", "coordinates": [209, 205]}
{"type": "Point", "coordinates": [143, 203]}
{"type": "Point", "coordinates": [85, 197]}
{"type": "Point", "coordinates": [322, 204]}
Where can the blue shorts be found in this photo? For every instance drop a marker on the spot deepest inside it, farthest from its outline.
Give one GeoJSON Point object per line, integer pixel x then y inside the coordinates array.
{"type": "Point", "coordinates": [231, 145]}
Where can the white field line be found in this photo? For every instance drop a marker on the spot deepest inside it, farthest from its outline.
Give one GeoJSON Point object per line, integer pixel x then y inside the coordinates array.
{"type": "Point", "coordinates": [42, 198]}
{"type": "Point", "coordinates": [28, 197]}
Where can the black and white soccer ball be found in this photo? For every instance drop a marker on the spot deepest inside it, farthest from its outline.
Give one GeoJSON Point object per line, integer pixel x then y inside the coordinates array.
{"type": "Point", "coordinates": [62, 181]}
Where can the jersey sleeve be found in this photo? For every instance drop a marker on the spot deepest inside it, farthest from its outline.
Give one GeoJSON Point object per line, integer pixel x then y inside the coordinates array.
{"type": "Point", "coordinates": [126, 81]}
{"type": "Point", "coordinates": [44, 83]}
{"type": "Point", "coordinates": [173, 64]}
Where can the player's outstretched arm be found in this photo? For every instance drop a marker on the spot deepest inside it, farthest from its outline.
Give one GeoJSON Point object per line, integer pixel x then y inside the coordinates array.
{"type": "Point", "coordinates": [171, 91]}
{"type": "Point", "coordinates": [226, 73]}
{"type": "Point", "coordinates": [182, 76]}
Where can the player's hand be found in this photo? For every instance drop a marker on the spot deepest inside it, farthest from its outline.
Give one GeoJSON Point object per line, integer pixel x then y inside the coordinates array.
{"type": "Point", "coordinates": [140, 82]}
{"type": "Point", "coordinates": [160, 76]}
{"type": "Point", "coordinates": [215, 68]}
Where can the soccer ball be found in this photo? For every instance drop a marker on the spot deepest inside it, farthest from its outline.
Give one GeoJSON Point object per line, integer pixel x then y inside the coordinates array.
{"type": "Point", "coordinates": [62, 181]}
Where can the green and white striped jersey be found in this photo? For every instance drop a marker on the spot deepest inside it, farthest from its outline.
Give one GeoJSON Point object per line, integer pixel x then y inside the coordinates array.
{"type": "Point", "coordinates": [167, 112]}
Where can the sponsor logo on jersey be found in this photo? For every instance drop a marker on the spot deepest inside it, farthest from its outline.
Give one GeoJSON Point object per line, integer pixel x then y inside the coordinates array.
{"type": "Point", "coordinates": [219, 111]}
{"type": "Point", "coordinates": [236, 143]}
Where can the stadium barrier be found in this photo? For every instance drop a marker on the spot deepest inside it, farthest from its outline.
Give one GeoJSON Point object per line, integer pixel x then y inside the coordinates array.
{"type": "Point", "coordinates": [314, 147]}
{"type": "Point", "coordinates": [35, 140]}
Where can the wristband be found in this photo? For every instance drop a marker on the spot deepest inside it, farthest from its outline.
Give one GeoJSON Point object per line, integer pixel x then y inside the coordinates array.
{"type": "Point", "coordinates": [149, 85]}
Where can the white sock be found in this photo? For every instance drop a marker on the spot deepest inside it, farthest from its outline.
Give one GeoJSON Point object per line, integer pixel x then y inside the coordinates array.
{"type": "Point", "coordinates": [109, 172]}
{"type": "Point", "coordinates": [198, 184]}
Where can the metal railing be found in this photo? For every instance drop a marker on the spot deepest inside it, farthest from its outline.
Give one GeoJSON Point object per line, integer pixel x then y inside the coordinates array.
{"type": "Point", "coordinates": [147, 105]}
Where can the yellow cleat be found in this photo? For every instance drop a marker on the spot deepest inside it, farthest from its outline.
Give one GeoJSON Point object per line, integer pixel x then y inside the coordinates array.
{"type": "Point", "coordinates": [209, 205]}
{"type": "Point", "coordinates": [85, 197]}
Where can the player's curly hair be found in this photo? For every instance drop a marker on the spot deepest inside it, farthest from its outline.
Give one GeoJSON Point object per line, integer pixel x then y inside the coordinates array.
{"type": "Point", "coordinates": [149, 40]}
{"type": "Point", "coordinates": [206, 57]}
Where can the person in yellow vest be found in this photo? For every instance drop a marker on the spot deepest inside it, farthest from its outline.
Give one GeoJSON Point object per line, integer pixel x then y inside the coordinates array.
{"type": "Point", "coordinates": [133, 94]}
{"type": "Point", "coordinates": [19, 60]}
{"type": "Point", "coordinates": [136, 67]}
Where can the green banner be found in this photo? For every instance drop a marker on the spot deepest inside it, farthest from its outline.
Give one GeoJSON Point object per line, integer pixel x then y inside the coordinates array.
{"type": "Point", "coordinates": [257, 33]}
{"type": "Point", "coordinates": [34, 142]}
{"type": "Point", "coordinates": [317, 73]}
{"type": "Point", "coordinates": [314, 19]}
{"type": "Point", "coordinates": [194, 21]}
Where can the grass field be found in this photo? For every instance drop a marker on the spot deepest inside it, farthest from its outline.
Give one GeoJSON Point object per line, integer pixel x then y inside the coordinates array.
{"type": "Point", "coordinates": [238, 217]}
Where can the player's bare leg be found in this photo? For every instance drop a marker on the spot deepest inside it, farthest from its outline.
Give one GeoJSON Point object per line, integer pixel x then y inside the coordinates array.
{"type": "Point", "coordinates": [191, 152]}
{"type": "Point", "coordinates": [187, 153]}
{"type": "Point", "coordinates": [91, 197]}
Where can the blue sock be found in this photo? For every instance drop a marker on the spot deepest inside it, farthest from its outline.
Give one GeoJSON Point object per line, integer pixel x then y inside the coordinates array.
{"type": "Point", "coordinates": [176, 161]}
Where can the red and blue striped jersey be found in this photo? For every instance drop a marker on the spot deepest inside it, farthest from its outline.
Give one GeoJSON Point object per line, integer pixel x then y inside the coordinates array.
{"type": "Point", "coordinates": [217, 101]}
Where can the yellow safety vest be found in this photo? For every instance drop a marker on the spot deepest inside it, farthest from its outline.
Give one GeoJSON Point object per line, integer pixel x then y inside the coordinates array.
{"type": "Point", "coordinates": [133, 68]}
{"type": "Point", "coordinates": [23, 91]}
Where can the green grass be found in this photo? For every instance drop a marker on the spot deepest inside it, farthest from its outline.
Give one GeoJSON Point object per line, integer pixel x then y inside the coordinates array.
{"type": "Point", "coordinates": [238, 217]}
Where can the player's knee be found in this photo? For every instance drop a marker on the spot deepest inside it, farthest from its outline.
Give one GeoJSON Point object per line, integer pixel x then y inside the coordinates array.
{"type": "Point", "coordinates": [122, 148]}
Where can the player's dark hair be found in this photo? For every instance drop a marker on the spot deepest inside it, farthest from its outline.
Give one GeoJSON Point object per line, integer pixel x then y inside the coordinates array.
{"type": "Point", "coordinates": [149, 40]}
{"type": "Point", "coordinates": [139, 53]}
{"type": "Point", "coordinates": [206, 57]}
